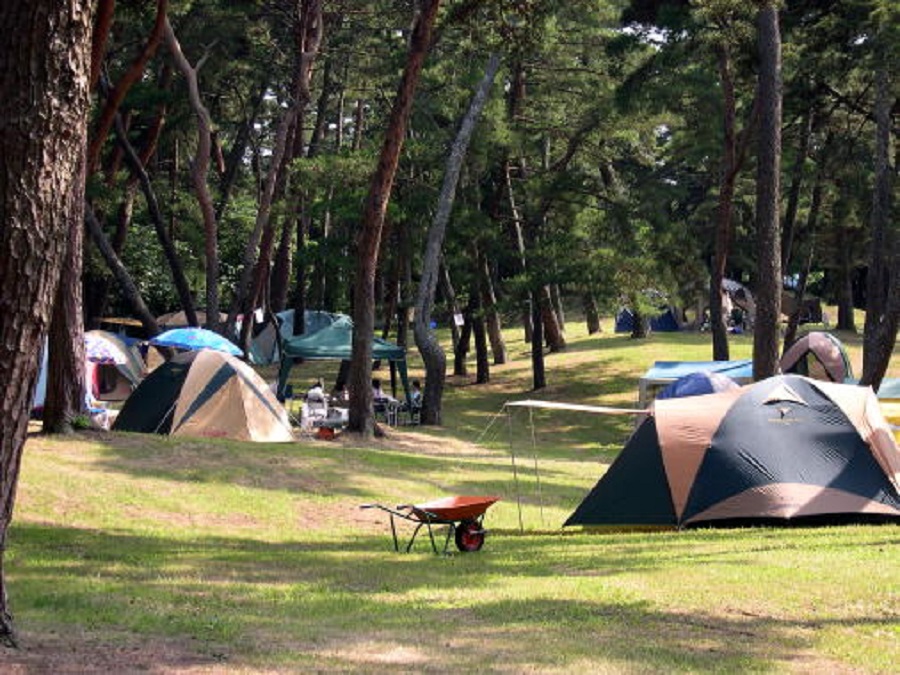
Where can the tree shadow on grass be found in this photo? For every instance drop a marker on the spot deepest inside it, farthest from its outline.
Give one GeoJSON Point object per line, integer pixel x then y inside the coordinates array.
{"type": "Point", "coordinates": [526, 603]}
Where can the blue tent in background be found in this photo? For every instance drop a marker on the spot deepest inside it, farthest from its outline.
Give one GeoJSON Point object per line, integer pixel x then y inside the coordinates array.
{"type": "Point", "coordinates": [664, 373]}
{"type": "Point", "coordinates": [698, 384]}
{"type": "Point", "coordinates": [662, 323]}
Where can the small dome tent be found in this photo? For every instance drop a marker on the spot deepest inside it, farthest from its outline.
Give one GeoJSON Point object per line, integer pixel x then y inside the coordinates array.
{"type": "Point", "coordinates": [697, 384]}
{"type": "Point", "coordinates": [206, 393]}
{"type": "Point", "coordinates": [818, 355]}
{"type": "Point", "coordinates": [787, 449]}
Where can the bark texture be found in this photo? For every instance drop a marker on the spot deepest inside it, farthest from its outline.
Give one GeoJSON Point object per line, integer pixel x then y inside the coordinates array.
{"type": "Point", "coordinates": [768, 296]}
{"type": "Point", "coordinates": [432, 353]}
{"type": "Point", "coordinates": [883, 301]}
{"type": "Point", "coordinates": [362, 416]}
{"type": "Point", "coordinates": [45, 58]}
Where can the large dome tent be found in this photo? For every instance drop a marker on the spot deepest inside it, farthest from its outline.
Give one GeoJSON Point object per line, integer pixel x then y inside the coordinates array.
{"type": "Point", "coordinates": [206, 393]}
{"type": "Point", "coordinates": [787, 449]}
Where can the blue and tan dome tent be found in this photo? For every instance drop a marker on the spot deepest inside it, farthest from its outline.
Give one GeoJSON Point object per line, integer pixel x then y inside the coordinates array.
{"type": "Point", "coordinates": [785, 449]}
{"type": "Point", "coordinates": [206, 393]}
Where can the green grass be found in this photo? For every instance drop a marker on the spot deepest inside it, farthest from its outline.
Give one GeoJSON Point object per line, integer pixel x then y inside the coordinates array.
{"type": "Point", "coordinates": [134, 552]}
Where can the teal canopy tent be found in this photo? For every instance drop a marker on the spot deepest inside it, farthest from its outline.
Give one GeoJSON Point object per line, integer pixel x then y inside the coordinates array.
{"type": "Point", "coordinates": [335, 342]}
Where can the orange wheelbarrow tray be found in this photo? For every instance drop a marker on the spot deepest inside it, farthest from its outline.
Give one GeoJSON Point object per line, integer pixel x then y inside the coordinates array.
{"type": "Point", "coordinates": [463, 515]}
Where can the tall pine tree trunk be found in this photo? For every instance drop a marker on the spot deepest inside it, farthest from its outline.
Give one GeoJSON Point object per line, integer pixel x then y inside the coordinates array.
{"type": "Point", "coordinates": [362, 416]}
{"type": "Point", "coordinates": [883, 289]}
{"type": "Point", "coordinates": [768, 295]}
{"type": "Point", "coordinates": [65, 363]}
{"type": "Point", "coordinates": [45, 52]}
{"type": "Point", "coordinates": [199, 172]}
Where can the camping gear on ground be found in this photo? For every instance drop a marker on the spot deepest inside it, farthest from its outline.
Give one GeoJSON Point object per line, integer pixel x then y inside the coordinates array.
{"type": "Point", "coordinates": [818, 355]}
{"type": "Point", "coordinates": [664, 373]}
{"type": "Point", "coordinates": [462, 515]}
{"type": "Point", "coordinates": [195, 338]}
{"type": "Point", "coordinates": [787, 449]}
{"type": "Point", "coordinates": [207, 394]}
{"type": "Point", "coordinates": [698, 384]}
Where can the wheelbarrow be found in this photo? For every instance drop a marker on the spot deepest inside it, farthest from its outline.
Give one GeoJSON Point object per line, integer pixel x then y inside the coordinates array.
{"type": "Point", "coordinates": [463, 516]}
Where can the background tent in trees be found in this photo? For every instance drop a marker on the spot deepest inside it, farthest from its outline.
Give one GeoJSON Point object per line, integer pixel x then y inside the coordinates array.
{"type": "Point", "coordinates": [105, 381]}
{"type": "Point", "coordinates": [179, 319]}
{"type": "Point", "coordinates": [788, 448]}
{"type": "Point", "coordinates": [116, 381]}
{"type": "Point", "coordinates": [664, 322]}
{"type": "Point", "coordinates": [265, 347]}
{"type": "Point", "coordinates": [208, 394]}
{"type": "Point", "coordinates": [663, 373]}
{"type": "Point", "coordinates": [335, 342]}
{"type": "Point", "coordinates": [818, 355]}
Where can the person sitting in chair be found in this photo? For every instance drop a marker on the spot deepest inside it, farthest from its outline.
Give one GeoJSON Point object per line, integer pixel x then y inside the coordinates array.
{"type": "Point", "coordinates": [415, 394]}
{"type": "Point", "coordinates": [316, 406]}
{"type": "Point", "coordinates": [316, 392]}
{"type": "Point", "coordinates": [378, 393]}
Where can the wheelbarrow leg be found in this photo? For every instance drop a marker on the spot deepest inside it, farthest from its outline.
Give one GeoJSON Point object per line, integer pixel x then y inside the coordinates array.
{"type": "Point", "coordinates": [412, 540]}
{"type": "Point", "coordinates": [394, 534]}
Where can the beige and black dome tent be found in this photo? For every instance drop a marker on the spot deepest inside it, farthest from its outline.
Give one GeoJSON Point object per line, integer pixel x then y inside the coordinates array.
{"type": "Point", "coordinates": [786, 449]}
{"type": "Point", "coordinates": [206, 393]}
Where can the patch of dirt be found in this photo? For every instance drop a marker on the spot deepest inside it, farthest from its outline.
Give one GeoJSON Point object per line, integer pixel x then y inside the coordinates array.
{"type": "Point", "coordinates": [77, 653]}
{"type": "Point", "coordinates": [415, 442]}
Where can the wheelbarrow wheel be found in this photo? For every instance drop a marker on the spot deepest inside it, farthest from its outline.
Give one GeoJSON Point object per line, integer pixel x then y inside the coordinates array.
{"type": "Point", "coordinates": [469, 536]}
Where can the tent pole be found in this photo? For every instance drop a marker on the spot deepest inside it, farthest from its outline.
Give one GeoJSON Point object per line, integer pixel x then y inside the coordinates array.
{"type": "Point", "coordinates": [537, 474]}
{"type": "Point", "coordinates": [512, 454]}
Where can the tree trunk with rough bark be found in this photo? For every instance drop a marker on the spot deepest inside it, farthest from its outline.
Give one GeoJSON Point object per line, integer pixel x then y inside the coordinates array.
{"type": "Point", "coordinates": [179, 279]}
{"type": "Point", "coordinates": [591, 313]}
{"type": "Point", "coordinates": [433, 271]}
{"type": "Point", "coordinates": [492, 321]}
{"type": "Point", "coordinates": [482, 363]}
{"type": "Point", "coordinates": [45, 59]}
{"type": "Point", "coordinates": [65, 398]}
{"type": "Point", "coordinates": [768, 293]}
{"type": "Point", "coordinates": [127, 286]}
{"type": "Point", "coordinates": [724, 210]}
{"type": "Point", "coordinates": [538, 373]}
{"type": "Point", "coordinates": [116, 93]}
{"type": "Point", "coordinates": [790, 333]}
{"type": "Point", "coordinates": [362, 416]}
{"type": "Point", "coordinates": [883, 283]}
{"type": "Point", "coordinates": [308, 32]}
{"type": "Point", "coordinates": [553, 331]}
{"type": "Point", "coordinates": [199, 172]}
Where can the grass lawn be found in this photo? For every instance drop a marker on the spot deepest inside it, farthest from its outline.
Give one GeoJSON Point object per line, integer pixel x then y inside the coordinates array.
{"type": "Point", "coordinates": [142, 553]}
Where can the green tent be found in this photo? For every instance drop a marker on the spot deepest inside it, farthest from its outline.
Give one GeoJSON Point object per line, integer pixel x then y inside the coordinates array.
{"type": "Point", "coordinates": [335, 342]}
